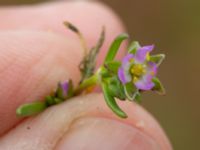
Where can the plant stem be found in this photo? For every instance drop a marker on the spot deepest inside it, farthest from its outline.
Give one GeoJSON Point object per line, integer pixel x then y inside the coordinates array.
{"type": "Point", "coordinates": [91, 81]}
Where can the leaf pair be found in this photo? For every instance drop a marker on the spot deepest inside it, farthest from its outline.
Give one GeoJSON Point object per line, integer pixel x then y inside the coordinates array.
{"type": "Point", "coordinates": [111, 102]}
{"type": "Point", "coordinates": [111, 87]}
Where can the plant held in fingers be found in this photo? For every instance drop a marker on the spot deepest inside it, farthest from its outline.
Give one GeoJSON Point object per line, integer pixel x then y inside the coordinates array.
{"type": "Point", "coordinates": [121, 80]}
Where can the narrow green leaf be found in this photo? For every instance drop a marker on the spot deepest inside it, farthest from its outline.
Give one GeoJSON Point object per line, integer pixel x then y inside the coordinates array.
{"type": "Point", "coordinates": [115, 46]}
{"type": "Point", "coordinates": [157, 58]}
{"type": "Point", "coordinates": [31, 109]}
{"type": "Point", "coordinates": [112, 66]}
{"type": "Point", "coordinates": [133, 47]}
{"type": "Point", "coordinates": [111, 102]}
{"type": "Point", "coordinates": [158, 86]}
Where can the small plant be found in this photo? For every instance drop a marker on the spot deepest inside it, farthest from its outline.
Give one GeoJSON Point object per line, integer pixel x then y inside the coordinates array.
{"type": "Point", "coordinates": [121, 80]}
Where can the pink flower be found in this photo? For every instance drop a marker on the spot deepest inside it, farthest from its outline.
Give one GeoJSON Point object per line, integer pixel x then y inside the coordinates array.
{"type": "Point", "coordinates": [137, 68]}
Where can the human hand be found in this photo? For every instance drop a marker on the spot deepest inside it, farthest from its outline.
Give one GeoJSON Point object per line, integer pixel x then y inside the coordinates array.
{"type": "Point", "coordinates": [36, 53]}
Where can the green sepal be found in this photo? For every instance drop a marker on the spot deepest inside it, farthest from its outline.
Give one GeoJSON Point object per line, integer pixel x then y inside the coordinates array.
{"type": "Point", "coordinates": [130, 91]}
{"type": "Point", "coordinates": [157, 59]}
{"type": "Point", "coordinates": [116, 88]}
{"type": "Point", "coordinates": [59, 92]}
{"type": "Point", "coordinates": [110, 100]}
{"type": "Point", "coordinates": [112, 66]}
{"type": "Point", "coordinates": [158, 87]}
{"type": "Point", "coordinates": [133, 47]}
{"type": "Point", "coordinates": [30, 109]}
{"type": "Point", "coordinates": [115, 47]}
{"type": "Point", "coordinates": [70, 89]}
{"type": "Point", "coordinates": [138, 97]}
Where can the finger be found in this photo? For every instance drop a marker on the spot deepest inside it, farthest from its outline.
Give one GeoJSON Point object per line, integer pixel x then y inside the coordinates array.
{"type": "Point", "coordinates": [31, 65]}
{"type": "Point", "coordinates": [33, 62]}
{"type": "Point", "coordinates": [88, 16]}
{"type": "Point", "coordinates": [87, 123]}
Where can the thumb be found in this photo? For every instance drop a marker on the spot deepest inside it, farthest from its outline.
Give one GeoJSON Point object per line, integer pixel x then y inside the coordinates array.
{"type": "Point", "coordinates": [36, 51]}
{"type": "Point", "coordinates": [86, 123]}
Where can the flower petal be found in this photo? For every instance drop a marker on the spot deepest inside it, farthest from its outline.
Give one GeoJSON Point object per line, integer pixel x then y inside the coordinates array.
{"type": "Point", "coordinates": [142, 52]}
{"type": "Point", "coordinates": [123, 72]}
{"type": "Point", "coordinates": [126, 60]}
{"type": "Point", "coordinates": [64, 86]}
{"type": "Point", "coordinates": [123, 76]}
{"type": "Point", "coordinates": [145, 83]}
{"type": "Point", "coordinates": [152, 69]}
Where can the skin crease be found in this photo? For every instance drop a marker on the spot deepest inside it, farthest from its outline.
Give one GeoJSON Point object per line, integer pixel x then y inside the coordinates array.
{"type": "Point", "coordinates": [34, 48]}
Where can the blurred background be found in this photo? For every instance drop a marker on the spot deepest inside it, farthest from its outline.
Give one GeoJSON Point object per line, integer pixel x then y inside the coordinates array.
{"type": "Point", "coordinates": [174, 27]}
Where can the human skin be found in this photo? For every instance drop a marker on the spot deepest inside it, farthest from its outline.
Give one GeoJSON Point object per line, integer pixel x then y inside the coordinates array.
{"type": "Point", "coordinates": [36, 52]}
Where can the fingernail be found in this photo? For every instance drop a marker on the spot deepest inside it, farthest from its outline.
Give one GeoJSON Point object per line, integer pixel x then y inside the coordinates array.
{"type": "Point", "coordinates": [105, 134]}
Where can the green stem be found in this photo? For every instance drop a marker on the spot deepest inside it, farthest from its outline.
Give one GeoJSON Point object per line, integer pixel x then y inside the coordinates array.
{"type": "Point", "coordinates": [91, 81]}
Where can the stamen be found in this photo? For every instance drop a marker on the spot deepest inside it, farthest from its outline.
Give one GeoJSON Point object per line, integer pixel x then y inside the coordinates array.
{"type": "Point", "coordinates": [138, 70]}
{"type": "Point", "coordinates": [131, 60]}
{"type": "Point", "coordinates": [152, 73]}
{"type": "Point", "coordinates": [135, 79]}
{"type": "Point", "coordinates": [147, 57]}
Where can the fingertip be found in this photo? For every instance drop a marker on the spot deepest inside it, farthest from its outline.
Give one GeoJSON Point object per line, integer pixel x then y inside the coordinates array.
{"type": "Point", "coordinates": [87, 123]}
{"type": "Point", "coordinates": [102, 133]}
{"type": "Point", "coordinates": [32, 63]}
{"type": "Point", "coordinates": [88, 16]}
